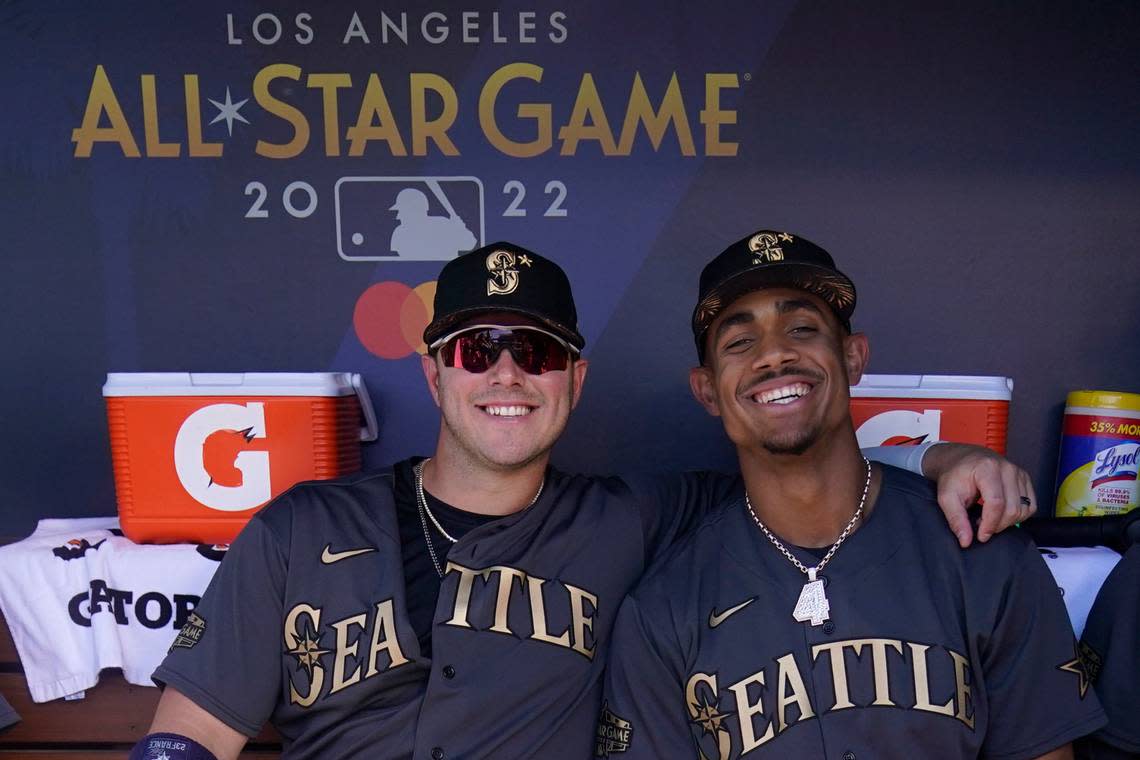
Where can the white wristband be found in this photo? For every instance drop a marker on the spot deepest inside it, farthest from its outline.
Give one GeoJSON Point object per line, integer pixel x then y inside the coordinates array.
{"type": "Point", "coordinates": [907, 457]}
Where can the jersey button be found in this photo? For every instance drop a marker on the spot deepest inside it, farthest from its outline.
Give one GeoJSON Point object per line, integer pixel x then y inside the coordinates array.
{"type": "Point", "coordinates": [848, 755]}
{"type": "Point", "coordinates": [437, 753]}
{"type": "Point", "coordinates": [448, 671]}
{"type": "Point", "coordinates": [829, 628]}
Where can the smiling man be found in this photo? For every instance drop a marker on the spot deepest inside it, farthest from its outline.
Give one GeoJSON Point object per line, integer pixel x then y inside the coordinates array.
{"type": "Point", "coordinates": [459, 606]}
{"type": "Point", "coordinates": [826, 612]}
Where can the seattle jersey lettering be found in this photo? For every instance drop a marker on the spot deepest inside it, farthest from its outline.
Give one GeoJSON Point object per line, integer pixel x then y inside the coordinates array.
{"type": "Point", "coordinates": [303, 640]}
{"type": "Point", "coordinates": [499, 580]}
{"type": "Point", "coordinates": [762, 699]}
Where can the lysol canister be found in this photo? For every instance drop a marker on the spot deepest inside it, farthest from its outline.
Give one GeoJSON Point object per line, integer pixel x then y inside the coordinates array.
{"type": "Point", "coordinates": [1100, 446]}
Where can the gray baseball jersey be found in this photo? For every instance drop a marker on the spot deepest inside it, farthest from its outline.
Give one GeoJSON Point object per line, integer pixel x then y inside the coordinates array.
{"type": "Point", "coordinates": [929, 652]}
{"type": "Point", "coordinates": [1110, 646]}
{"type": "Point", "coordinates": [305, 623]}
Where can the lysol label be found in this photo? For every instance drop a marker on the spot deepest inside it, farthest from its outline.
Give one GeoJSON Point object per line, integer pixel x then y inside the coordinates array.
{"type": "Point", "coordinates": [1098, 466]}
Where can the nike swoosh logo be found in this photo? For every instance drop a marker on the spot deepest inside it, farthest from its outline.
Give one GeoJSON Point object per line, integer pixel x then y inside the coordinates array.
{"type": "Point", "coordinates": [716, 618]}
{"type": "Point", "coordinates": [328, 556]}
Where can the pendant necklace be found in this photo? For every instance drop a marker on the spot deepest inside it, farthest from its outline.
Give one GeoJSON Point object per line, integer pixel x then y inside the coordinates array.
{"type": "Point", "coordinates": [812, 606]}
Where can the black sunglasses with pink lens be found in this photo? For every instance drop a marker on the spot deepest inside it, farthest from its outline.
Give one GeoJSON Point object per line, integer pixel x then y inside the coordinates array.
{"type": "Point", "coordinates": [477, 348]}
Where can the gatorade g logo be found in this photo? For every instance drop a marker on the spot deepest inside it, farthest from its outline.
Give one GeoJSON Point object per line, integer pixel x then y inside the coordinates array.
{"type": "Point", "coordinates": [900, 427]}
{"type": "Point", "coordinates": [190, 460]}
{"type": "Point", "coordinates": [504, 278]}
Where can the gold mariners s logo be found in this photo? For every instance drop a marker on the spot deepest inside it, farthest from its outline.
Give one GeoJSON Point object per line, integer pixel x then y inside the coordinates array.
{"type": "Point", "coordinates": [766, 246]}
{"type": "Point", "coordinates": [504, 278]}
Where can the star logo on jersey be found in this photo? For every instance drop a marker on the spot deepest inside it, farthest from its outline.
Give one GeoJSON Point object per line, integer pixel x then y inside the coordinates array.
{"type": "Point", "coordinates": [708, 716]}
{"type": "Point", "coordinates": [716, 618]}
{"type": "Point", "coordinates": [308, 653]}
{"type": "Point", "coordinates": [328, 556]}
{"type": "Point", "coordinates": [1077, 667]}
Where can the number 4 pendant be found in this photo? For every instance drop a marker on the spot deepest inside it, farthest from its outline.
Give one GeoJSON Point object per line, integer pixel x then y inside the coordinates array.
{"type": "Point", "coordinates": [812, 605]}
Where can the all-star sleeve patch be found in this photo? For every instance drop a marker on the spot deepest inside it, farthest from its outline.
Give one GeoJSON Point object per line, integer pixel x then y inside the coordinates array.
{"type": "Point", "coordinates": [191, 632]}
{"type": "Point", "coordinates": [614, 733]}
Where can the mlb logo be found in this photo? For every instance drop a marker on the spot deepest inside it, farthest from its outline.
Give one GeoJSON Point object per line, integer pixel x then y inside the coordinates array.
{"type": "Point", "coordinates": [408, 218]}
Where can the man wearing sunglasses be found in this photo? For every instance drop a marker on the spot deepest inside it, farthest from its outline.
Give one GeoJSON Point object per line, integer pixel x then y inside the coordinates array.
{"type": "Point", "coordinates": [458, 606]}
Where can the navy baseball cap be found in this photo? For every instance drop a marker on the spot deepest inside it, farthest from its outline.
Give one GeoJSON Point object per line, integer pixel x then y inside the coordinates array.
{"type": "Point", "coordinates": [504, 277]}
{"type": "Point", "coordinates": [770, 259]}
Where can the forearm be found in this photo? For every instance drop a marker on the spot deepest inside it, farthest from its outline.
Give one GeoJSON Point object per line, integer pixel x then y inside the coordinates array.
{"type": "Point", "coordinates": [178, 714]}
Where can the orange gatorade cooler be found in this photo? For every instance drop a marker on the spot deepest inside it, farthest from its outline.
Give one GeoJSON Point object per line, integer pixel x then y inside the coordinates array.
{"type": "Point", "coordinates": [1100, 445]}
{"type": "Point", "coordinates": [901, 410]}
{"type": "Point", "coordinates": [196, 454]}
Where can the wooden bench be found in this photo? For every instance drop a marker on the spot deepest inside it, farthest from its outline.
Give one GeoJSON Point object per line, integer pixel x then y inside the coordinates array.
{"type": "Point", "coordinates": [102, 726]}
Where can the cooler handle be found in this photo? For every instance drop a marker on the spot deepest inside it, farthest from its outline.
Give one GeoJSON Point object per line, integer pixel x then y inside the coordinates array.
{"type": "Point", "coordinates": [371, 430]}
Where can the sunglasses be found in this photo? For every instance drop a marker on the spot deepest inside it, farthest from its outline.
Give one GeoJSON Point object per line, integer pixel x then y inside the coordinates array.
{"type": "Point", "coordinates": [477, 348]}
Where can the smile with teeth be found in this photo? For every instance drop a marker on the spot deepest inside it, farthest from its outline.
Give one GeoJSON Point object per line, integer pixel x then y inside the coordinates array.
{"type": "Point", "coordinates": [503, 410]}
{"type": "Point", "coordinates": [783, 395]}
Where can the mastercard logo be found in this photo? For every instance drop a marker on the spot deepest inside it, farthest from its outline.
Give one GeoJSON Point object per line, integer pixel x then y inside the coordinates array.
{"type": "Point", "coordinates": [390, 317]}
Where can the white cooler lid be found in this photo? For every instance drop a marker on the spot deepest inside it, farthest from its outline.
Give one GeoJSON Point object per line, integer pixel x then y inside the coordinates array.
{"type": "Point", "coordinates": [970, 387]}
{"type": "Point", "coordinates": [128, 384]}
{"type": "Point", "coordinates": [228, 384]}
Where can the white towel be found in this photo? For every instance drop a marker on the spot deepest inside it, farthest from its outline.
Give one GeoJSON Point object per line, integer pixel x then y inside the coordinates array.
{"type": "Point", "coordinates": [79, 597]}
{"type": "Point", "coordinates": [1080, 572]}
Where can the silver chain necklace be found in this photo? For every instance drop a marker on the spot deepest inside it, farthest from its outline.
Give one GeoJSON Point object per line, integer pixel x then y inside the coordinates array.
{"type": "Point", "coordinates": [813, 605]}
{"type": "Point", "coordinates": [421, 502]}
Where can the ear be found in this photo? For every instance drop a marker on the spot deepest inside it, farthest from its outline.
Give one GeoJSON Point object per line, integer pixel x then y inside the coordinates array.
{"type": "Point", "coordinates": [856, 354]}
{"type": "Point", "coordinates": [577, 380]}
{"type": "Point", "coordinates": [702, 382]}
{"type": "Point", "coordinates": [431, 374]}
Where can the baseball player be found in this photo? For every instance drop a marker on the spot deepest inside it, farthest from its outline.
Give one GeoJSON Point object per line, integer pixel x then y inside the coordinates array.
{"type": "Point", "coordinates": [444, 236]}
{"type": "Point", "coordinates": [1110, 647]}
{"type": "Point", "coordinates": [823, 613]}
{"type": "Point", "coordinates": [459, 606]}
